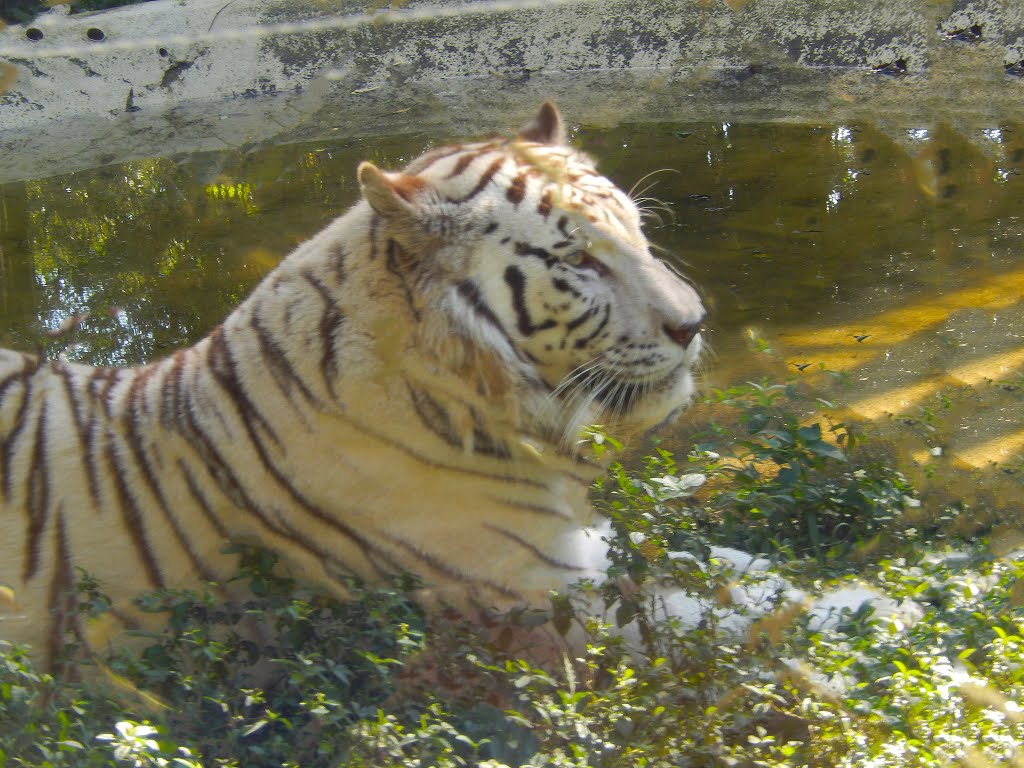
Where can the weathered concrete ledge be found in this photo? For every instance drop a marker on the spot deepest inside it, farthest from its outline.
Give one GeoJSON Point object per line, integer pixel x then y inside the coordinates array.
{"type": "Point", "coordinates": [185, 75]}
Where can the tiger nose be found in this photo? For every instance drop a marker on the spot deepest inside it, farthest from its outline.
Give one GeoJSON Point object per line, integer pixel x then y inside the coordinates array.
{"type": "Point", "coordinates": [683, 334]}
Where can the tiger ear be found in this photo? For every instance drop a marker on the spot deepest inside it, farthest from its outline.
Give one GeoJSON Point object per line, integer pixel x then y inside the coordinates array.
{"type": "Point", "coordinates": [389, 194]}
{"type": "Point", "coordinates": [546, 127]}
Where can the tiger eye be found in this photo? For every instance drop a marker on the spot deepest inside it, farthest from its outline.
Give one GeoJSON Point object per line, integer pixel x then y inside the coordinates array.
{"type": "Point", "coordinates": [581, 259]}
{"type": "Point", "coordinates": [576, 258]}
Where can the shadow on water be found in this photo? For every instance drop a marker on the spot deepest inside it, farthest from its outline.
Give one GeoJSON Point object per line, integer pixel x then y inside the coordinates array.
{"type": "Point", "coordinates": [883, 269]}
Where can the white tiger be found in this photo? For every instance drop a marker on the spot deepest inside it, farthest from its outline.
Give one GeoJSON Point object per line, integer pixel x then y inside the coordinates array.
{"type": "Point", "coordinates": [402, 393]}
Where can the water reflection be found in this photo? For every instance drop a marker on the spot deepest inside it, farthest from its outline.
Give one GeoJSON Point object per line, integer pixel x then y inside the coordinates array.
{"type": "Point", "coordinates": [173, 244]}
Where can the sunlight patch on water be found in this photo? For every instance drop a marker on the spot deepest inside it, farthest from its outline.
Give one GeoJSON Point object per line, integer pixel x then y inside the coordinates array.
{"type": "Point", "coordinates": [833, 345]}
{"type": "Point", "coordinates": [1001, 449]}
{"type": "Point", "coordinates": [992, 368]}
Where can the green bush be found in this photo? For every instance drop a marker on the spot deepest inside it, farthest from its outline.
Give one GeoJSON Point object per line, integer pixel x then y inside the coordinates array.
{"type": "Point", "coordinates": [949, 688]}
{"type": "Point", "coordinates": [290, 677]}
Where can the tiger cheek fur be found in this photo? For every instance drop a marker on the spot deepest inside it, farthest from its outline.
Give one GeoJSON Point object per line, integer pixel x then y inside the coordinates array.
{"type": "Point", "coordinates": [403, 392]}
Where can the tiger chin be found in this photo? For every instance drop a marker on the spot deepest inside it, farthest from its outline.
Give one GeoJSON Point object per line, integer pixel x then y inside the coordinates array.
{"type": "Point", "coordinates": [403, 393]}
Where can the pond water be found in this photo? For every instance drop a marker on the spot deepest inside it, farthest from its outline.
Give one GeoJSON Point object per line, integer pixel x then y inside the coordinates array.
{"type": "Point", "coordinates": [883, 268]}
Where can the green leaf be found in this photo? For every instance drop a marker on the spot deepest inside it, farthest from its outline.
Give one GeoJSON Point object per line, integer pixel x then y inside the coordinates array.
{"type": "Point", "coordinates": [562, 614]}
{"type": "Point", "coordinates": [821, 448]}
{"type": "Point", "coordinates": [780, 436]}
{"type": "Point", "coordinates": [259, 725]}
{"type": "Point", "coordinates": [626, 612]}
{"type": "Point", "coordinates": [757, 422]}
{"type": "Point", "coordinates": [810, 434]}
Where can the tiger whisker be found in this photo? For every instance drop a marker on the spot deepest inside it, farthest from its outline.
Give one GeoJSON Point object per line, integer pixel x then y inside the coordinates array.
{"type": "Point", "coordinates": [580, 414]}
{"type": "Point", "coordinates": [633, 190]}
{"type": "Point", "coordinates": [649, 206]}
{"type": "Point", "coordinates": [651, 214]}
{"type": "Point", "coordinates": [618, 398]}
{"type": "Point", "coordinates": [605, 383]}
{"type": "Point", "coordinates": [703, 364]}
{"type": "Point", "coordinates": [642, 391]}
{"type": "Point", "coordinates": [628, 396]}
{"type": "Point", "coordinates": [585, 390]}
{"type": "Point", "coordinates": [565, 402]}
{"type": "Point", "coordinates": [574, 375]}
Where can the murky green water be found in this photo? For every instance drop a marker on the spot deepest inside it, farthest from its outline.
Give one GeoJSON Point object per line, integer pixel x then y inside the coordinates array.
{"type": "Point", "coordinates": [892, 258]}
{"type": "Point", "coordinates": [159, 251]}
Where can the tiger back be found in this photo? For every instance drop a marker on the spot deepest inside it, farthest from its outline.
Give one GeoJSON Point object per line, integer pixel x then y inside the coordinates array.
{"type": "Point", "coordinates": [402, 393]}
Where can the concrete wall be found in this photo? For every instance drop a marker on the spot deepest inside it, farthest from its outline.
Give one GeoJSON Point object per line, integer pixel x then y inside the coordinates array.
{"type": "Point", "coordinates": [183, 75]}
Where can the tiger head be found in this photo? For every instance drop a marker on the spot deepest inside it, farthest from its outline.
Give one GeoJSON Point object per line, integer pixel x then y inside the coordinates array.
{"type": "Point", "coordinates": [522, 251]}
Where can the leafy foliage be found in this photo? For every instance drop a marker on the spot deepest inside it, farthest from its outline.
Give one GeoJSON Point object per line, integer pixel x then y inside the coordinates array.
{"type": "Point", "coordinates": [288, 677]}
{"type": "Point", "coordinates": [44, 722]}
{"type": "Point", "coordinates": [948, 688]}
{"type": "Point", "coordinates": [789, 486]}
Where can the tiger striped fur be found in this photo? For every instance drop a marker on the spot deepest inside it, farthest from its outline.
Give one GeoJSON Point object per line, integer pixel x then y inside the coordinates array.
{"type": "Point", "coordinates": [403, 392]}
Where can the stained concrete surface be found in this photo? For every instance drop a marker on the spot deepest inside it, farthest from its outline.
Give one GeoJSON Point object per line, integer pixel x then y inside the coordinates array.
{"type": "Point", "coordinates": [175, 76]}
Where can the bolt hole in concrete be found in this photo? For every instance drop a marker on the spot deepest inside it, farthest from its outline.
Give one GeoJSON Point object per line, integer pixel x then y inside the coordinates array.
{"type": "Point", "coordinates": [33, 34]}
{"type": "Point", "coordinates": [164, 53]}
{"type": "Point", "coordinates": [94, 34]}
